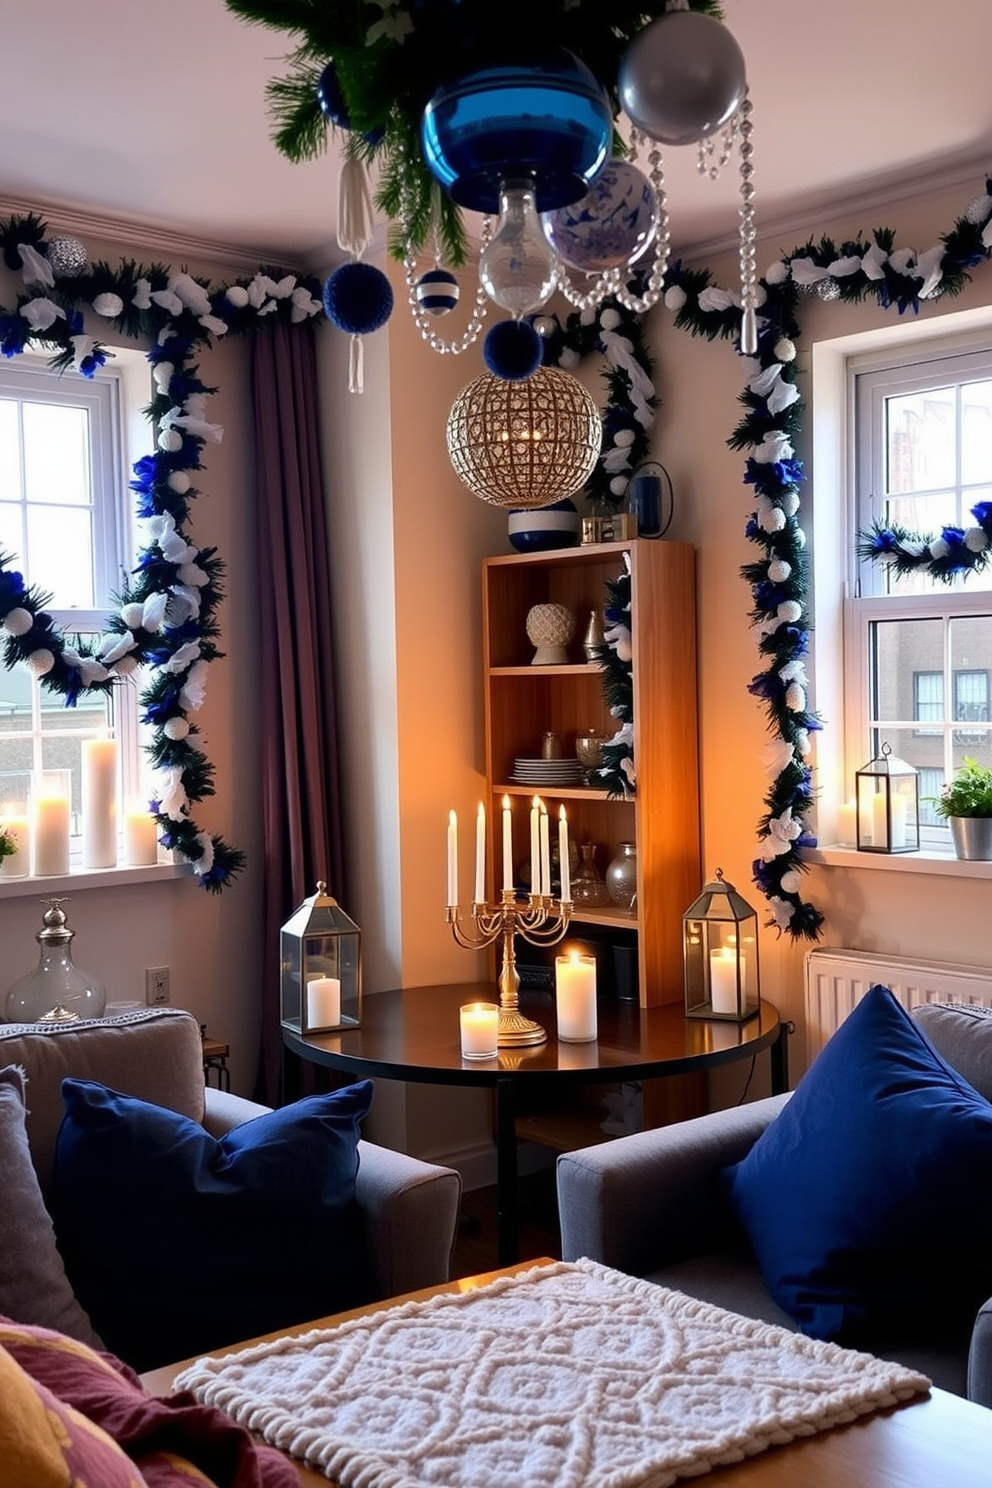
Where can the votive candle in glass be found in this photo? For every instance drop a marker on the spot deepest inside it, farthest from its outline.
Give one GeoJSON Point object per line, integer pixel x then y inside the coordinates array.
{"type": "Point", "coordinates": [479, 1027]}
{"type": "Point", "coordinates": [575, 995]}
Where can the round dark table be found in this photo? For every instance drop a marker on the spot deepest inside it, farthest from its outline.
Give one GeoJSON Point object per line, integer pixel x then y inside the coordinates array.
{"type": "Point", "coordinates": [412, 1033]}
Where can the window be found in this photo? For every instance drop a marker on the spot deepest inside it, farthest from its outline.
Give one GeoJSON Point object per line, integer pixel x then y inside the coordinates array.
{"type": "Point", "coordinates": [65, 512]}
{"type": "Point", "coordinates": [921, 649]}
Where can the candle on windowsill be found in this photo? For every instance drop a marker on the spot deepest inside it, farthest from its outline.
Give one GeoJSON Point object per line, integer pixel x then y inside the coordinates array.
{"type": "Point", "coordinates": [323, 1003]}
{"type": "Point", "coordinates": [880, 826]}
{"type": "Point", "coordinates": [846, 822]}
{"type": "Point", "coordinates": [15, 822]}
{"type": "Point", "coordinates": [50, 824]}
{"type": "Point", "coordinates": [479, 1030]}
{"type": "Point", "coordinates": [140, 837]}
{"type": "Point", "coordinates": [723, 979]}
{"type": "Point", "coordinates": [575, 998]}
{"type": "Point", "coordinates": [98, 799]}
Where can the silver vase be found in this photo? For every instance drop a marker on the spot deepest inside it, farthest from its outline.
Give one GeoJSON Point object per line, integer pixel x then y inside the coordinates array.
{"type": "Point", "coordinates": [972, 837]}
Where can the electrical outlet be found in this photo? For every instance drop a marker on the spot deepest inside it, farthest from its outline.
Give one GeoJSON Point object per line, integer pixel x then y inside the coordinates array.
{"type": "Point", "coordinates": [156, 984]}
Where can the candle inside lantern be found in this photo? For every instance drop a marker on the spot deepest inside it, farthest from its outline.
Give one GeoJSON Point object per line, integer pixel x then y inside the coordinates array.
{"type": "Point", "coordinates": [15, 822]}
{"type": "Point", "coordinates": [323, 1002]}
{"type": "Point", "coordinates": [50, 823]}
{"type": "Point", "coordinates": [480, 855]}
{"type": "Point", "coordinates": [479, 1029]}
{"type": "Point", "coordinates": [452, 859]}
{"type": "Point", "coordinates": [865, 816]}
{"type": "Point", "coordinates": [723, 979]}
{"type": "Point", "coordinates": [565, 868]}
{"type": "Point", "coordinates": [880, 825]}
{"type": "Point", "coordinates": [140, 837]}
{"type": "Point", "coordinates": [575, 996]}
{"type": "Point", "coordinates": [99, 802]}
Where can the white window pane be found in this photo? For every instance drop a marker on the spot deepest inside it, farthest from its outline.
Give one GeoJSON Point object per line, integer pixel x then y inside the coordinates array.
{"type": "Point", "coordinates": [930, 783]}
{"type": "Point", "coordinates": [921, 448]}
{"type": "Point", "coordinates": [976, 432]}
{"type": "Point", "coordinates": [12, 531]}
{"type": "Point", "coordinates": [903, 650]}
{"type": "Point", "coordinates": [60, 555]}
{"type": "Point", "coordinates": [56, 454]}
{"type": "Point", "coordinates": [10, 452]}
{"type": "Point", "coordinates": [928, 698]}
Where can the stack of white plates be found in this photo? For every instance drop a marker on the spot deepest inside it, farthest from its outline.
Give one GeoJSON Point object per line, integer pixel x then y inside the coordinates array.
{"type": "Point", "coordinates": [547, 772]}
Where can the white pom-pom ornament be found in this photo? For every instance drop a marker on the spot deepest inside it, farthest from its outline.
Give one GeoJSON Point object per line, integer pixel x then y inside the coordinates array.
{"type": "Point", "coordinates": [170, 440]}
{"type": "Point", "coordinates": [131, 614]}
{"type": "Point", "coordinates": [40, 662]}
{"type": "Point", "coordinates": [179, 482]}
{"type": "Point", "coordinates": [237, 295]}
{"type": "Point", "coordinates": [675, 297]}
{"type": "Point", "coordinates": [175, 728]}
{"type": "Point", "coordinates": [18, 622]}
{"type": "Point", "coordinates": [777, 272]}
{"type": "Point", "coordinates": [785, 350]}
{"type": "Point", "coordinates": [108, 305]}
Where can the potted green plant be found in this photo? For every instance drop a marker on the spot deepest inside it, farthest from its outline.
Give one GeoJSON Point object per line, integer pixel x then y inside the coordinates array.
{"type": "Point", "coordinates": [966, 803]}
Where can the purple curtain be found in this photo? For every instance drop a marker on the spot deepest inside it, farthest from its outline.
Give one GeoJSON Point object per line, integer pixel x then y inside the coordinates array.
{"type": "Point", "coordinates": [300, 783]}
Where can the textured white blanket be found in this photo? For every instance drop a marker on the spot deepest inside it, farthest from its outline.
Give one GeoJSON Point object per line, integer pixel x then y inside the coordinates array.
{"type": "Point", "coordinates": [566, 1376]}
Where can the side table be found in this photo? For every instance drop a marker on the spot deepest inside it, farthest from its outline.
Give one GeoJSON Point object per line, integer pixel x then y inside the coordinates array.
{"type": "Point", "coordinates": [215, 1054]}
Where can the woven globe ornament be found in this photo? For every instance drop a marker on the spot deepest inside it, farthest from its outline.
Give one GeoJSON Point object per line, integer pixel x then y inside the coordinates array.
{"type": "Point", "coordinates": [524, 444]}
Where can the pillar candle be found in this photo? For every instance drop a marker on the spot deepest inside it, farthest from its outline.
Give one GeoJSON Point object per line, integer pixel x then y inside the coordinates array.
{"type": "Point", "coordinates": [50, 830]}
{"type": "Point", "coordinates": [899, 808]}
{"type": "Point", "coordinates": [99, 803]}
{"type": "Point", "coordinates": [879, 824]}
{"type": "Point", "coordinates": [565, 894]}
{"type": "Point", "coordinates": [479, 1029]}
{"type": "Point", "coordinates": [140, 838]}
{"type": "Point", "coordinates": [846, 818]}
{"type": "Point", "coordinates": [14, 821]}
{"type": "Point", "coordinates": [545, 852]}
{"type": "Point", "coordinates": [723, 979]}
{"type": "Point", "coordinates": [452, 859]}
{"type": "Point", "coordinates": [507, 845]}
{"type": "Point", "coordinates": [323, 1002]}
{"type": "Point", "coordinates": [480, 855]}
{"type": "Point", "coordinates": [575, 996]}
{"type": "Point", "coordinates": [865, 815]}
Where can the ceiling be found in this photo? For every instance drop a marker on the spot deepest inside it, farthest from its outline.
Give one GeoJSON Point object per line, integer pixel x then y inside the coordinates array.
{"type": "Point", "coordinates": [129, 111]}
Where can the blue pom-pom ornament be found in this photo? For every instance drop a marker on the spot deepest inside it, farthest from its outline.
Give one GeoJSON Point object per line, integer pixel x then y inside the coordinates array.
{"type": "Point", "coordinates": [358, 299]}
{"type": "Point", "coordinates": [512, 350]}
{"type": "Point", "coordinates": [437, 291]}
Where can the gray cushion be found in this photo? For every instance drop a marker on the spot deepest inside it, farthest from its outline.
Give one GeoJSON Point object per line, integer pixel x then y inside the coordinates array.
{"type": "Point", "coordinates": [962, 1035]}
{"type": "Point", "coordinates": [33, 1284]}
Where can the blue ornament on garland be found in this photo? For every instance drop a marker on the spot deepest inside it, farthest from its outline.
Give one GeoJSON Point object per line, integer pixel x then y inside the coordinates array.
{"type": "Point", "coordinates": [437, 292]}
{"type": "Point", "coordinates": [333, 105]}
{"type": "Point", "coordinates": [512, 350]}
{"type": "Point", "coordinates": [358, 299]}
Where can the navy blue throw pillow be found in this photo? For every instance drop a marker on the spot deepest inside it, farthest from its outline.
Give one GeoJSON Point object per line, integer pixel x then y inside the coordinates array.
{"type": "Point", "coordinates": [180, 1244]}
{"type": "Point", "coordinates": [868, 1200]}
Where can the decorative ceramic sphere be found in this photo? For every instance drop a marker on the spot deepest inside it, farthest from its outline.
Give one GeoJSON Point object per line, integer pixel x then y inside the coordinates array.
{"type": "Point", "coordinates": [512, 350]}
{"type": "Point", "coordinates": [67, 257]}
{"type": "Point", "coordinates": [549, 120]}
{"type": "Point", "coordinates": [358, 298]}
{"type": "Point", "coordinates": [437, 291]}
{"type": "Point", "coordinates": [550, 627]}
{"type": "Point", "coordinates": [612, 225]}
{"type": "Point", "coordinates": [682, 77]}
{"type": "Point", "coordinates": [554, 526]}
{"type": "Point", "coordinates": [524, 444]}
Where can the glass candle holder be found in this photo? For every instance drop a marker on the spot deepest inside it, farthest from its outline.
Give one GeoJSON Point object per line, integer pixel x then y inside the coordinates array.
{"type": "Point", "coordinates": [479, 1027]}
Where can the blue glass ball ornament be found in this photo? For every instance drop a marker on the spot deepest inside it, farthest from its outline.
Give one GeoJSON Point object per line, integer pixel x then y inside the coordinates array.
{"type": "Point", "coordinates": [612, 225]}
{"type": "Point", "coordinates": [549, 120]}
{"type": "Point", "coordinates": [358, 299]}
{"type": "Point", "coordinates": [331, 99]}
{"type": "Point", "coordinates": [682, 77]}
{"type": "Point", "coordinates": [548, 527]}
{"type": "Point", "coordinates": [512, 350]}
{"type": "Point", "coordinates": [437, 291]}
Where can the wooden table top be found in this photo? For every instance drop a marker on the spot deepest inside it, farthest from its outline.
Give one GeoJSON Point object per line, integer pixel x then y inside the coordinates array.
{"type": "Point", "coordinates": [934, 1441]}
{"type": "Point", "coordinates": [412, 1033]}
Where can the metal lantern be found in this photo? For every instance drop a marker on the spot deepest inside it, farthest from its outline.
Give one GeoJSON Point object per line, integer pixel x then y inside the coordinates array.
{"type": "Point", "coordinates": [524, 444]}
{"type": "Point", "coordinates": [720, 954]}
{"type": "Point", "coordinates": [320, 967]}
{"type": "Point", "coordinates": [887, 812]}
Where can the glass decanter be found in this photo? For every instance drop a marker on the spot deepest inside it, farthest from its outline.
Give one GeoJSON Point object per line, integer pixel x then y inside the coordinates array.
{"type": "Point", "coordinates": [588, 885]}
{"type": "Point", "coordinates": [56, 991]}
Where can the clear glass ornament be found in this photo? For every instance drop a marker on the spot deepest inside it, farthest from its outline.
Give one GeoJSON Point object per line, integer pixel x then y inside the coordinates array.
{"type": "Point", "coordinates": [56, 990]}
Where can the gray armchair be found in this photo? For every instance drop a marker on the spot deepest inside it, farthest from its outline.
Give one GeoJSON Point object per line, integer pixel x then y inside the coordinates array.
{"type": "Point", "coordinates": [409, 1208]}
{"type": "Point", "coordinates": [653, 1205]}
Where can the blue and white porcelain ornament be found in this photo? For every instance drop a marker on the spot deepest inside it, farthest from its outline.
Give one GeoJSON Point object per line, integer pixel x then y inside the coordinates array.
{"type": "Point", "coordinates": [682, 77]}
{"type": "Point", "coordinates": [612, 225]}
{"type": "Point", "coordinates": [437, 292]}
{"type": "Point", "coordinates": [547, 119]}
{"type": "Point", "coordinates": [548, 527]}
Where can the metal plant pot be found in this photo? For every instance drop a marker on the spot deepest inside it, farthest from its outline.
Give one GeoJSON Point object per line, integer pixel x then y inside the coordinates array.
{"type": "Point", "coordinates": [972, 837]}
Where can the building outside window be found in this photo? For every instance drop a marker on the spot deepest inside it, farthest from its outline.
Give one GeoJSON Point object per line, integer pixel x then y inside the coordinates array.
{"type": "Point", "coordinates": [66, 521]}
{"type": "Point", "coordinates": [923, 459]}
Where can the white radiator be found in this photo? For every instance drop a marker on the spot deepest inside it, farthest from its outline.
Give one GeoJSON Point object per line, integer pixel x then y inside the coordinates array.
{"type": "Point", "coordinates": [837, 980]}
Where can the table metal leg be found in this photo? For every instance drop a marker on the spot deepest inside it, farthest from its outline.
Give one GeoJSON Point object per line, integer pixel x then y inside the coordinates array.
{"type": "Point", "coordinates": [779, 1053]}
{"type": "Point", "coordinates": [506, 1174]}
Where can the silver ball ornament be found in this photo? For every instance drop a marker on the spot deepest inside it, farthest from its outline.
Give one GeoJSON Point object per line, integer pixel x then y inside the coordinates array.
{"type": "Point", "coordinates": [67, 257]}
{"type": "Point", "coordinates": [828, 289]}
{"type": "Point", "coordinates": [545, 325]}
{"type": "Point", "coordinates": [682, 77]}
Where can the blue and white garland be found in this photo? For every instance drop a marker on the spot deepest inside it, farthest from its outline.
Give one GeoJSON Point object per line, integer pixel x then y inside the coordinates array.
{"type": "Point", "coordinates": [855, 270]}
{"type": "Point", "coordinates": [167, 613]}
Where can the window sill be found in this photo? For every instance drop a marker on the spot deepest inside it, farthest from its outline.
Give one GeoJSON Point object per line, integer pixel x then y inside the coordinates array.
{"type": "Point", "coordinates": [89, 878]}
{"type": "Point", "coordinates": [937, 864]}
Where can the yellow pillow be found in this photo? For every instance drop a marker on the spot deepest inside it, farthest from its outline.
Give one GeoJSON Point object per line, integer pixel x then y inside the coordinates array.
{"type": "Point", "coordinates": [46, 1444]}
